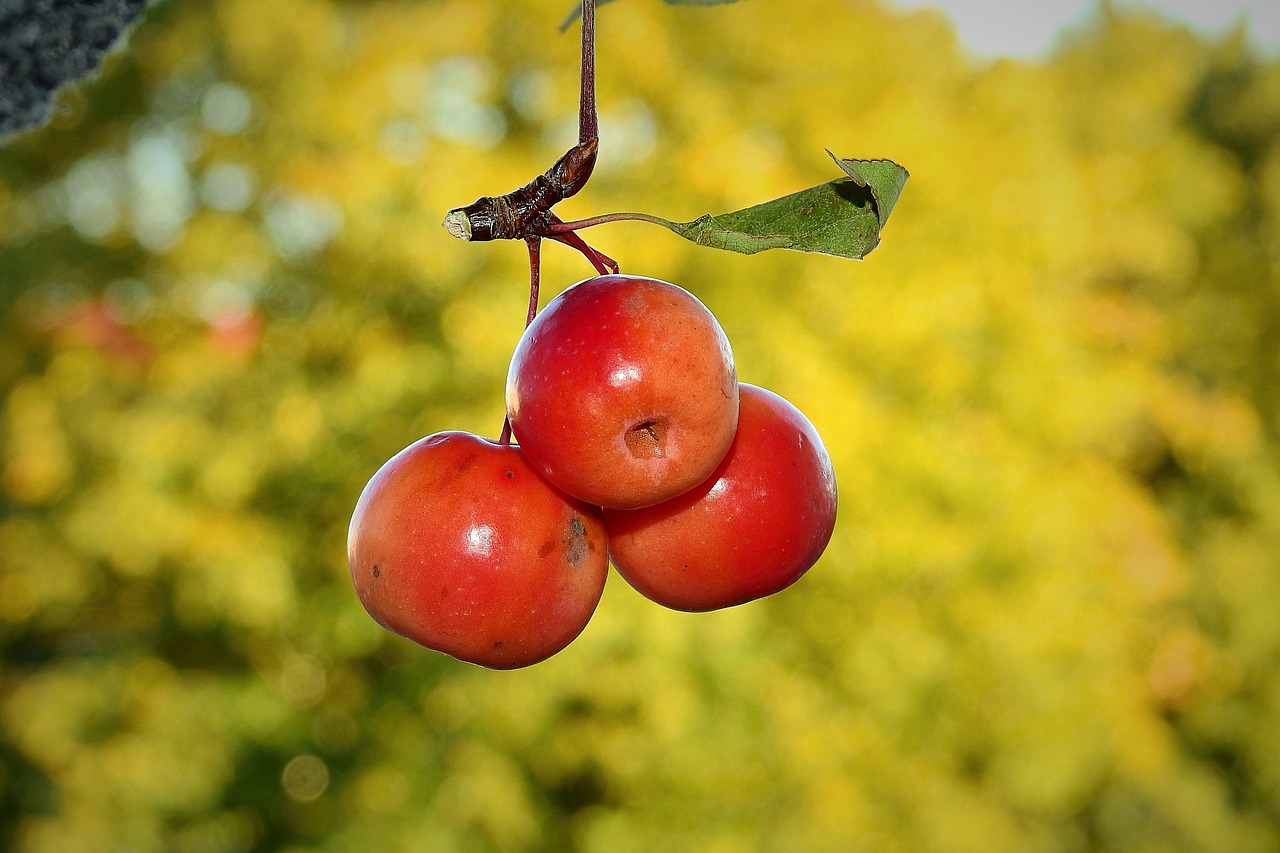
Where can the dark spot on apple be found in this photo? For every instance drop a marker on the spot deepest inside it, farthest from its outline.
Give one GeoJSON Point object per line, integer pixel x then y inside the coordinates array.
{"type": "Point", "coordinates": [497, 644]}
{"type": "Point", "coordinates": [575, 543]}
{"type": "Point", "coordinates": [444, 592]}
{"type": "Point", "coordinates": [547, 548]}
{"type": "Point", "coordinates": [467, 463]}
{"type": "Point", "coordinates": [510, 474]}
{"type": "Point", "coordinates": [377, 572]}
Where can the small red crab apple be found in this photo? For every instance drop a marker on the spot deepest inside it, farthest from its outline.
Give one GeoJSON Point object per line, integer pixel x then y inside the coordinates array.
{"type": "Point", "coordinates": [623, 391]}
{"type": "Point", "coordinates": [752, 529]}
{"type": "Point", "coordinates": [459, 545]}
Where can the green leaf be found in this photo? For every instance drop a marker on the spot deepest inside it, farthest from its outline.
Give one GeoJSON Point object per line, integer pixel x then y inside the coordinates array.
{"type": "Point", "coordinates": [843, 217]}
{"type": "Point", "coordinates": [885, 179]}
{"type": "Point", "coordinates": [577, 10]}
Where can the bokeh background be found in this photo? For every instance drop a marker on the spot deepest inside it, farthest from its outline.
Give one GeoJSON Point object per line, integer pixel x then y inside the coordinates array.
{"type": "Point", "coordinates": [1049, 619]}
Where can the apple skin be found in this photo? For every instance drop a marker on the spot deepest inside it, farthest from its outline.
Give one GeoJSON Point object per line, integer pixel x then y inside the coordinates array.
{"type": "Point", "coordinates": [623, 391]}
{"type": "Point", "coordinates": [752, 529]}
{"type": "Point", "coordinates": [459, 545]}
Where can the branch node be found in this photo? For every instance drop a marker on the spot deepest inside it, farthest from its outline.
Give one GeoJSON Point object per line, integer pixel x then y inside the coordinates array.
{"type": "Point", "coordinates": [525, 213]}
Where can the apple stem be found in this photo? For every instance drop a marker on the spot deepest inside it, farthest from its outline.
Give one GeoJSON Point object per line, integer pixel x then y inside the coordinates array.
{"type": "Point", "coordinates": [602, 262]}
{"type": "Point", "coordinates": [535, 276]}
{"type": "Point", "coordinates": [535, 283]}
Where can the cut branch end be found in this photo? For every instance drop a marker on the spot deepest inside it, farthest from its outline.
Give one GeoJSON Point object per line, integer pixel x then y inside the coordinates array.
{"type": "Point", "coordinates": [457, 224]}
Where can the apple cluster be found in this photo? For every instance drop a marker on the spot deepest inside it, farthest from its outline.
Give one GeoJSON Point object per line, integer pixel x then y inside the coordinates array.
{"type": "Point", "coordinates": [636, 444]}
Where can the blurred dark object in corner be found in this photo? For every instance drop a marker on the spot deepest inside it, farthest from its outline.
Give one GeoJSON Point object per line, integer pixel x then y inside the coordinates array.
{"type": "Point", "coordinates": [46, 44]}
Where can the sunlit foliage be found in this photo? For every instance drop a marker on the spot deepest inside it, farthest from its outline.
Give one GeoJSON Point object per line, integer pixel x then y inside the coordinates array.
{"type": "Point", "coordinates": [1050, 616]}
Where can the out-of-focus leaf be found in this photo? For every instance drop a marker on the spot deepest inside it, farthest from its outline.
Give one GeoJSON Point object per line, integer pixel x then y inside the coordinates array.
{"type": "Point", "coordinates": [577, 10]}
{"type": "Point", "coordinates": [843, 217]}
{"type": "Point", "coordinates": [50, 48]}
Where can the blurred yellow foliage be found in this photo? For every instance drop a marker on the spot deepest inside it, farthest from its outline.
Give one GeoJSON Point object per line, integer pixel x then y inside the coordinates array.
{"type": "Point", "coordinates": [1049, 619]}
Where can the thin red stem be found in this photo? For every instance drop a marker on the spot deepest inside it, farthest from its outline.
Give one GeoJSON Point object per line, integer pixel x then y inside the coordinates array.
{"type": "Point", "coordinates": [535, 276]}
{"type": "Point", "coordinates": [535, 283]}
{"type": "Point", "coordinates": [602, 262]}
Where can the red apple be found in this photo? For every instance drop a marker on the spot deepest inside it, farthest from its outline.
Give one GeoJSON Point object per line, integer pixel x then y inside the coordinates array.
{"type": "Point", "coordinates": [753, 528]}
{"type": "Point", "coordinates": [623, 391]}
{"type": "Point", "coordinates": [459, 545]}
